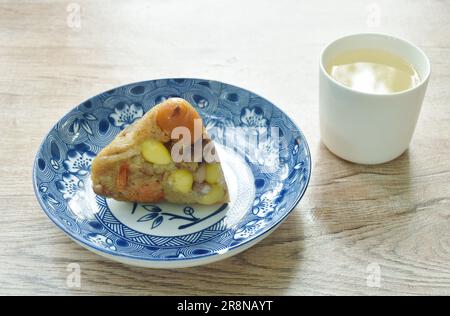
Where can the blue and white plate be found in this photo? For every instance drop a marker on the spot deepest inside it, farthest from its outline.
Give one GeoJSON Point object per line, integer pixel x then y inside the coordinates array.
{"type": "Point", "coordinates": [168, 235]}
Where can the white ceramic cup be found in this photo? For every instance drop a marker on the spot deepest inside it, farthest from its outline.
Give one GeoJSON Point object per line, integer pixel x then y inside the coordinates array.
{"type": "Point", "coordinates": [363, 127]}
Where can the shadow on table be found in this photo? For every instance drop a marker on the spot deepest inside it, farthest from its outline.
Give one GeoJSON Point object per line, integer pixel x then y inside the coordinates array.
{"type": "Point", "coordinates": [345, 195]}
{"type": "Point", "coordinates": [267, 268]}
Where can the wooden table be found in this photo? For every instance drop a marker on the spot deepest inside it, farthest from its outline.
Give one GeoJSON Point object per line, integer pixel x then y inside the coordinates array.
{"type": "Point", "coordinates": [353, 222]}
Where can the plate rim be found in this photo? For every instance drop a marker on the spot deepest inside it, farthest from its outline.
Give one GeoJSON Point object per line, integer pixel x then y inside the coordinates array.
{"type": "Point", "coordinates": [111, 254]}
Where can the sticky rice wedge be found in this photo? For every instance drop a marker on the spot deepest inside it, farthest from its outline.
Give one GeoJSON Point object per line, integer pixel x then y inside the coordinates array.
{"type": "Point", "coordinates": [138, 165]}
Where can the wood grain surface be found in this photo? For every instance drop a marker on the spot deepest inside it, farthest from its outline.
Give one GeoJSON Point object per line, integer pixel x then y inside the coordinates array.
{"type": "Point", "coordinates": [353, 219]}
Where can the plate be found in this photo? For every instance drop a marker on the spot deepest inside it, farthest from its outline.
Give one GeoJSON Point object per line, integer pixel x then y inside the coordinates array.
{"type": "Point", "coordinates": [265, 157]}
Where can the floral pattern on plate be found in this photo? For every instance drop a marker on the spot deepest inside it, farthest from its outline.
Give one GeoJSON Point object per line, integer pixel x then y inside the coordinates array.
{"type": "Point", "coordinates": [168, 235]}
